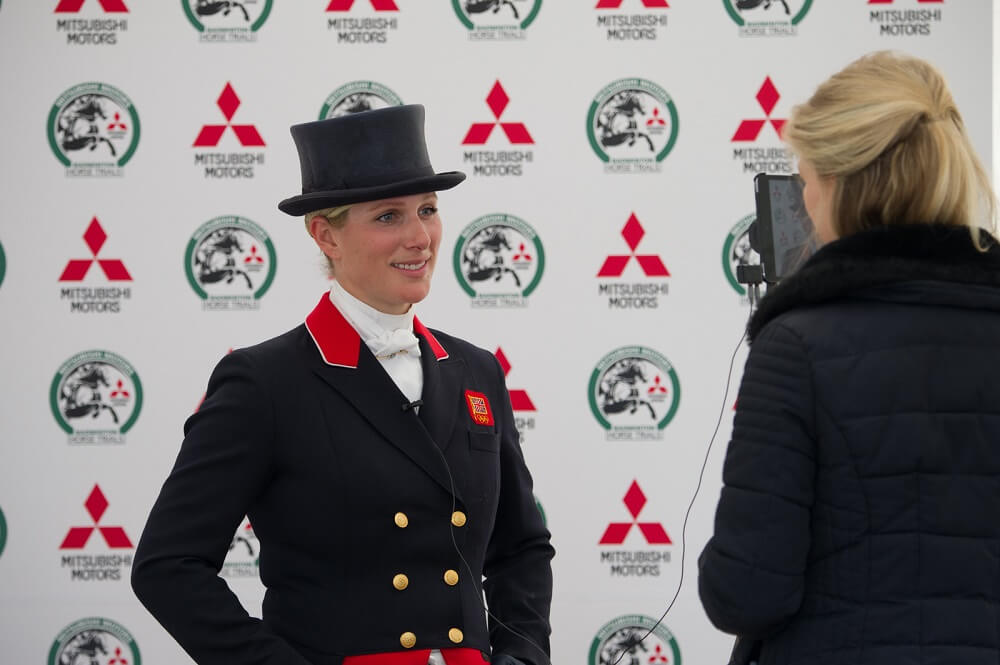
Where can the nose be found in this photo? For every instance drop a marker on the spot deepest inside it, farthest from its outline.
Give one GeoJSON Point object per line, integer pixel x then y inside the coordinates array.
{"type": "Point", "coordinates": [417, 235]}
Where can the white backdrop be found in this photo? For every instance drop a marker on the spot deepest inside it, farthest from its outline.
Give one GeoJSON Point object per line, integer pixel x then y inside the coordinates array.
{"type": "Point", "coordinates": [695, 75]}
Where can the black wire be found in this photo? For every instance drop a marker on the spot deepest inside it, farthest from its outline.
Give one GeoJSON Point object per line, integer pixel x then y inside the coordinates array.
{"type": "Point", "coordinates": [701, 474]}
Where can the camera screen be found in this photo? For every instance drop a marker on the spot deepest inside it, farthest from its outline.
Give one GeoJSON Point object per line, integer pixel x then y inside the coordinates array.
{"type": "Point", "coordinates": [791, 228]}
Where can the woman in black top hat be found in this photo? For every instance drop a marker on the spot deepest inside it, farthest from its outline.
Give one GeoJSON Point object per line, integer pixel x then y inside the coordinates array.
{"type": "Point", "coordinates": [376, 459]}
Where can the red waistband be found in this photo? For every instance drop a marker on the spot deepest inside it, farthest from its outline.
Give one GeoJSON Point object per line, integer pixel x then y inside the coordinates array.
{"type": "Point", "coordinates": [418, 657]}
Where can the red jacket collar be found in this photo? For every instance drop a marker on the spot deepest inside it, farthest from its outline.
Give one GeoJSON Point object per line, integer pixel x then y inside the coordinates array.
{"type": "Point", "coordinates": [340, 344]}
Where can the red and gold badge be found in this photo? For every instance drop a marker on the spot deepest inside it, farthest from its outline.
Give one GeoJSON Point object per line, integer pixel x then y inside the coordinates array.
{"type": "Point", "coordinates": [479, 408]}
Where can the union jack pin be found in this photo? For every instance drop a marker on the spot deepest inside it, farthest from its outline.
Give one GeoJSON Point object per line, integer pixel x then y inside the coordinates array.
{"type": "Point", "coordinates": [479, 408]}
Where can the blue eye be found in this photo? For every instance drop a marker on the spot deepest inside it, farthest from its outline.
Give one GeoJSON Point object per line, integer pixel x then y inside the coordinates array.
{"type": "Point", "coordinates": [428, 211]}
{"type": "Point", "coordinates": [386, 217]}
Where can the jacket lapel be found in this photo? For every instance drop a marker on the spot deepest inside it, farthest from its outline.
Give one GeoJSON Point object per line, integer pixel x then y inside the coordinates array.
{"type": "Point", "coordinates": [347, 366]}
{"type": "Point", "coordinates": [440, 396]}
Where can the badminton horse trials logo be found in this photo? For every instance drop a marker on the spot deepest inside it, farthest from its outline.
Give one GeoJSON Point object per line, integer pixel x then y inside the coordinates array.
{"type": "Point", "coordinates": [499, 261]}
{"type": "Point", "coordinates": [93, 130]}
{"type": "Point", "coordinates": [96, 397]}
{"type": "Point", "coordinates": [736, 251]}
{"type": "Point", "coordinates": [634, 393]}
{"type": "Point", "coordinates": [230, 263]}
{"type": "Point", "coordinates": [227, 20]}
{"type": "Point", "coordinates": [86, 640]}
{"type": "Point", "coordinates": [489, 20]}
{"type": "Point", "coordinates": [632, 125]}
{"type": "Point", "coordinates": [767, 18]}
{"type": "Point", "coordinates": [634, 638]}
{"type": "Point", "coordinates": [358, 96]}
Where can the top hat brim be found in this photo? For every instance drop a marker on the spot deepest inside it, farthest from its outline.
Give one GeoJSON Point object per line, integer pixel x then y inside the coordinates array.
{"type": "Point", "coordinates": [305, 203]}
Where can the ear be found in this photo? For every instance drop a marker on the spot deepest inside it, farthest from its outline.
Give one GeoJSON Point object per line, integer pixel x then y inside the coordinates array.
{"type": "Point", "coordinates": [326, 236]}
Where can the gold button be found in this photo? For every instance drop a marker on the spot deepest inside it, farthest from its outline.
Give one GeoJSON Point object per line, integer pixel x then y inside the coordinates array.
{"type": "Point", "coordinates": [455, 635]}
{"type": "Point", "coordinates": [400, 581]}
{"type": "Point", "coordinates": [407, 639]}
{"type": "Point", "coordinates": [450, 577]}
{"type": "Point", "coordinates": [402, 521]}
{"type": "Point", "coordinates": [458, 518]}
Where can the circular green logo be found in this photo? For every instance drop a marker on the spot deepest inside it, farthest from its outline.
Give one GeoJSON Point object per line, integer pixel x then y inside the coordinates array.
{"type": "Point", "coordinates": [358, 96]}
{"type": "Point", "coordinates": [499, 257]}
{"type": "Point", "coordinates": [632, 121]}
{"type": "Point", "coordinates": [634, 393]}
{"type": "Point", "coordinates": [749, 13]}
{"type": "Point", "coordinates": [230, 263]}
{"type": "Point", "coordinates": [96, 397]}
{"type": "Point", "coordinates": [632, 637]}
{"type": "Point", "coordinates": [84, 640]}
{"type": "Point", "coordinates": [227, 21]}
{"type": "Point", "coordinates": [736, 251]}
{"type": "Point", "coordinates": [93, 127]}
{"type": "Point", "coordinates": [496, 15]}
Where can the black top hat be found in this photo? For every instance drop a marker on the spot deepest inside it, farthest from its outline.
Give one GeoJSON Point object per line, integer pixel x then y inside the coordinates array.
{"type": "Point", "coordinates": [364, 156]}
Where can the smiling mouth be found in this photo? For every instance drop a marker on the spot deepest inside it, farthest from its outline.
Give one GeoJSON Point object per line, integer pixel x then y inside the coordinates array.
{"type": "Point", "coordinates": [409, 266]}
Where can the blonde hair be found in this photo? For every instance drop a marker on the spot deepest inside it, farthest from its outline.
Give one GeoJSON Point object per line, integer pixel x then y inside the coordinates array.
{"type": "Point", "coordinates": [887, 131]}
{"type": "Point", "coordinates": [336, 217]}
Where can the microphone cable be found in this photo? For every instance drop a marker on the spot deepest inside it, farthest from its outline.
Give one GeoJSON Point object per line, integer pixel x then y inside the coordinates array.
{"type": "Point", "coordinates": [701, 475]}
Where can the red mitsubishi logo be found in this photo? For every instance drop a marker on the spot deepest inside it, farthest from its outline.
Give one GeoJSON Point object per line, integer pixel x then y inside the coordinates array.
{"type": "Point", "coordinates": [615, 4]}
{"type": "Point", "coordinates": [73, 6]}
{"type": "Point", "coordinates": [379, 5]}
{"type": "Point", "coordinates": [651, 264]}
{"type": "Point", "coordinates": [114, 536]}
{"type": "Point", "coordinates": [497, 100]}
{"type": "Point", "coordinates": [77, 269]}
{"type": "Point", "coordinates": [209, 135]}
{"type": "Point", "coordinates": [519, 399]}
{"type": "Point", "coordinates": [653, 532]}
{"type": "Point", "coordinates": [767, 97]}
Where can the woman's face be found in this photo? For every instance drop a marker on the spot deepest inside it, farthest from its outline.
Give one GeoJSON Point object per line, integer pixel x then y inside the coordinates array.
{"type": "Point", "coordinates": [817, 193]}
{"type": "Point", "coordinates": [384, 253]}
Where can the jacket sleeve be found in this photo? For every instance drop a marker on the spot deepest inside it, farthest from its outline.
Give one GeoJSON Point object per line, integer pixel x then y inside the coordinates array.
{"type": "Point", "coordinates": [223, 464]}
{"type": "Point", "coordinates": [752, 572]}
{"type": "Point", "coordinates": [518, 569]}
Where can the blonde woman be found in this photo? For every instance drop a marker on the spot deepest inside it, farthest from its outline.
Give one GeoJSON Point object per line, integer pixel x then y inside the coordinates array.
{"type": "Point", "coordinates": [858, 522]}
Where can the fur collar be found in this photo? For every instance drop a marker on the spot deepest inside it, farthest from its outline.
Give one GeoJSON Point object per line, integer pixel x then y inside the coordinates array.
{"type": "Point", "coordinates": [881, 256]}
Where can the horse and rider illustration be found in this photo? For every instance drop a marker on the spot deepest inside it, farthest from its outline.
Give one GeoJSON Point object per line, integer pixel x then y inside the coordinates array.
{"type": "Point", "coordinates": [743, 5]}
{"type": "Point", "coordinates": [211, 7]}
{"type": "Point", "coordinates": [354, 103]}
{"type": "Point", "coordinates": [482, 6]}
{"type": "Point", "coordinates": [81, 392]}
{"type": "Point", "coordinates": [484, 256]}
{"type": "Point", "coordinates": [619, 388]}
{"type": "Point", "coordinates": [215, 258]}
{"type": "Point", "coordinates": [618, 120]}
{"type": "Point", "coordinates": [78, 124]}
{"type": "Point", "coordinates": [84, 649]}
{"type": "Point", "coordinates": [627, 640]}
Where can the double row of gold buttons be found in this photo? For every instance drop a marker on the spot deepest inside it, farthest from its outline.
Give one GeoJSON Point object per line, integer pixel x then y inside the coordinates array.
{"type": "Point", "coordinates": [401, 581]}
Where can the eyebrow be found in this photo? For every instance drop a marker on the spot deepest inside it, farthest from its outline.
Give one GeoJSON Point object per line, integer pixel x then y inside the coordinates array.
{"type": "Point", "coordinates": [396, 203]}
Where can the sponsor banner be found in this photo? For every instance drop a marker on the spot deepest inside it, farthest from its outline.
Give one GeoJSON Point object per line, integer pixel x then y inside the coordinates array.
{"type": "Point", "coordinates": [496, 20]}
{"type": "Point", "coordinates": [227, 21]}
{"type": "Point", "coordinates": [230, 263]}
{"type": "Point", "coordinates": [757, 146]}
{"type": "Point", "coordinates": [216, 165]}
{"type": "Point", "coordinates": [639, 20]}
{"type": "Point", "coordinates": [96, 397]}
{"type": "Point", "coordinates": [736, 251]}
{"type": "Point", "coordinates": [905, 18]}
{"type": "Point", "coordinates": [632, 637]}
{"type": "Point", "coordinates": [622, 295]}
{"type": "Point", "coordinates": [632, 126]}
{"type": "Point", "coordinates": [100, 25]}
{"type": "Point", "coordinates": [86, 640]}
{"type": "Point", "coordinates": [499, 261]}
{"type": "Point", "coordinates": [629, 561]}
{"type": "Point", "coordinates": [104, 557]}
{"type": "Point", "coordinates": [524, 409]}
{"type": "Point", "coordinates": [358, 96]}
{"type": "Point", "coordinates": [767, 18]}
{"type": "Point", "coordinates": [363, 21]}
{"type": "Point", "coordinates": [513, 161]}
{"type": "Point", "coordinates": [243, 559]}
{"type": "Point", "coordinates": [634, 393]}
{"type": "Point", "coordinates": [95, 299]}
{"type": "Point", "coordinates": [93, 130]}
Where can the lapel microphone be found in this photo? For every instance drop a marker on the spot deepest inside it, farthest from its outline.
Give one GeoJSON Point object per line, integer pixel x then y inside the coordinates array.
{"type": "Point", "coordinates": [412, 405]}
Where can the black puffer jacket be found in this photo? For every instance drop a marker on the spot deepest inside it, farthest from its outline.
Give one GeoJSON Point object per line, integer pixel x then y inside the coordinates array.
{"type": "Point", "coordinates": [860, 519]}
